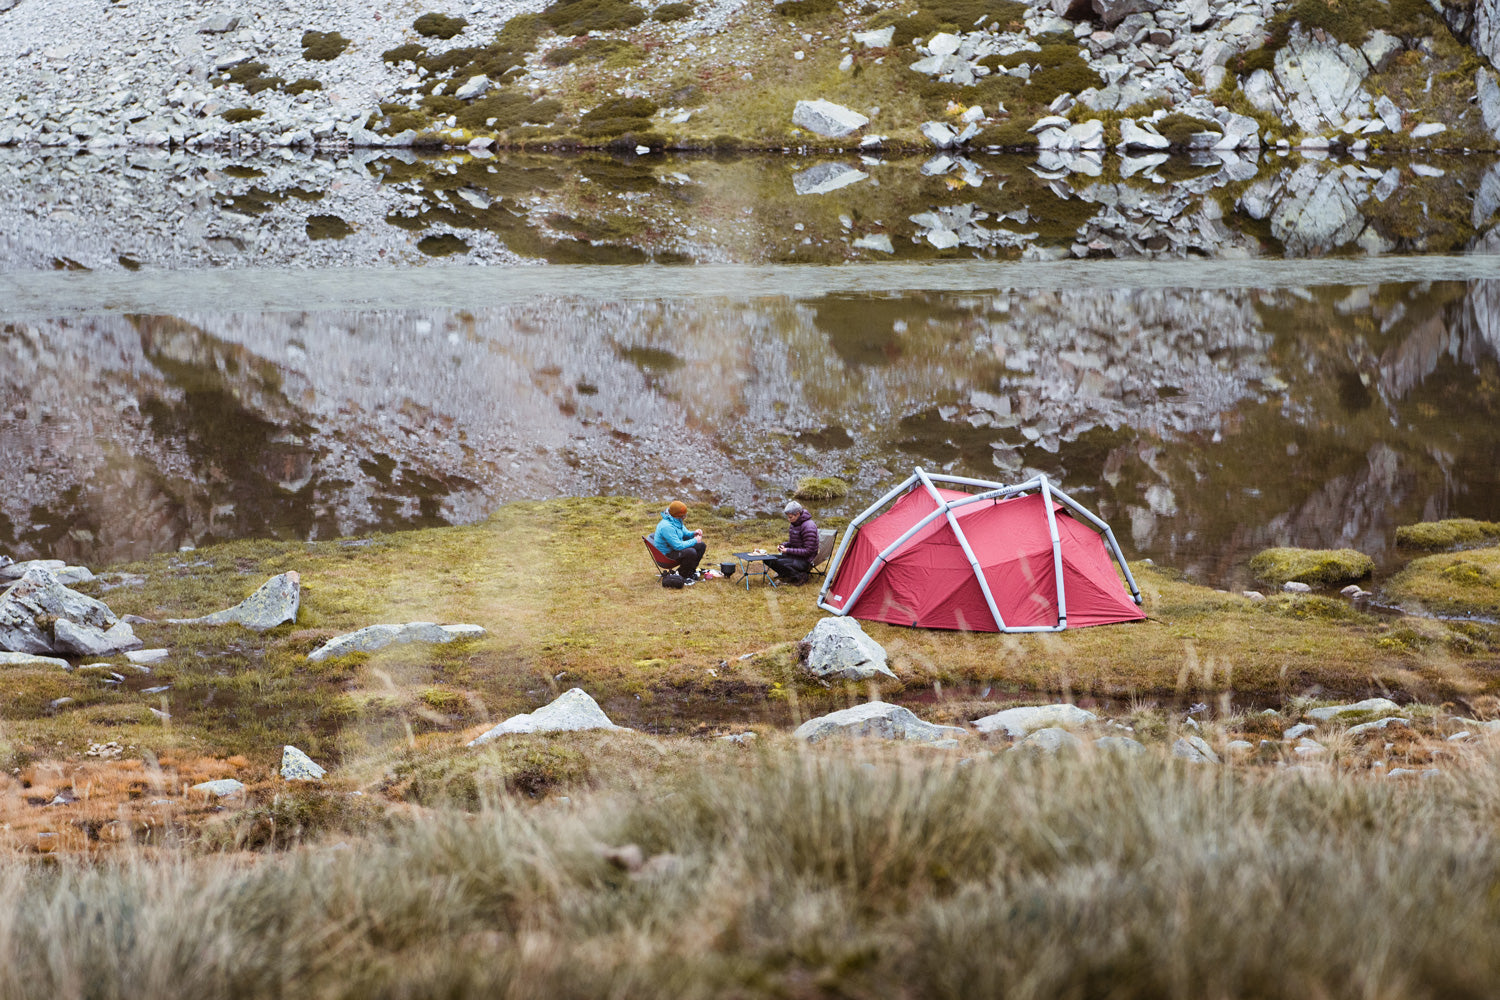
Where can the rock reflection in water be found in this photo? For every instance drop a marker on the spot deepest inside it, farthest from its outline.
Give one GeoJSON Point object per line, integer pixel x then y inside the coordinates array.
{"type": "Point", "coordinates": [1207, 423]}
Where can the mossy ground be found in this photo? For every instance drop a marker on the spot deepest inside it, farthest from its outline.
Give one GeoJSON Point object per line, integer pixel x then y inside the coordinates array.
{"type": "Point", "coordinates": [1317, 567]}
{"type": "Point", "coordinates": [1448, 534]}
{"type": "Point", "coordinates": [1455, 583]}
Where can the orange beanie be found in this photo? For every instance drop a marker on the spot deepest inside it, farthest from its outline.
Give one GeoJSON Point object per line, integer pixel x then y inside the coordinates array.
{"type": "Point", "coordinates": [677, 508]}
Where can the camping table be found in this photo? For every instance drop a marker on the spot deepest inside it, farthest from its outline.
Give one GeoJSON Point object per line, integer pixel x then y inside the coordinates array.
{"type": "Point", "coordinates": [750, 559]}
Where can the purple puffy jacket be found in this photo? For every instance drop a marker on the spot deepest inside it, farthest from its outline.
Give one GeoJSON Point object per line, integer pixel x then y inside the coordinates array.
{"type": "Point", "coordinates": [802, 538]}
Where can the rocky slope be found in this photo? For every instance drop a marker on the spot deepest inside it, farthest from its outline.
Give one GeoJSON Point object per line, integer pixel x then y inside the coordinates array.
{"type": "Point", "coordinates": [1067, 75]}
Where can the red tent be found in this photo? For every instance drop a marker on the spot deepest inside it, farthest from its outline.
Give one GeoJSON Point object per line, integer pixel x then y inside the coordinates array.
{"type": "Point", "coordinates": [1024, 558]}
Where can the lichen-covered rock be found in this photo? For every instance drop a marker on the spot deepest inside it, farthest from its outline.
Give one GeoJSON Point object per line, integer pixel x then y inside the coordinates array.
{"type": "Point", "coordinates": [1370, 706]}
{"type": "Point", "coordinates": [1194, 749]}
{"type": "Point", "coordinates": [838, 647]}
{"type": "Point", "coordinates": [1120, 745]}
{"type": "Point", "coordinates": [1018, 722]}
{"type": "Point", "coordinates": [298, 766]}
{"type": "Point", "coordinates": [220, 788]}
{"type": "Point", "coordinates": [373, 637]}
{"type": "Point", "coordinates": [275, 602]}
{"type": "Point", "coordinates": [571, 711]}
{"type": "Point", "coordinates": [1048, 741]}
{"type": "Point", "coordinates": [31, 607]}
{"type": "Point", "coordinates": [86, 640]}
{"type": "Point", "coordinates": [877, 719]}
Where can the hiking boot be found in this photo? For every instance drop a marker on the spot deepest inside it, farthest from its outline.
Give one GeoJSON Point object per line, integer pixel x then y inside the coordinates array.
{"type": "Point", "coordinates": [689, 582]}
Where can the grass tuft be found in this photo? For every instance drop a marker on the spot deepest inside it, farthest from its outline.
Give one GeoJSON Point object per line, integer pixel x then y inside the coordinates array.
{"type": "Point", "coordinates": [818, 488]}
{"type": "Point", "coordinates": [1317, 567]}
{"type": "Point", "coordinates": [1435, 536]}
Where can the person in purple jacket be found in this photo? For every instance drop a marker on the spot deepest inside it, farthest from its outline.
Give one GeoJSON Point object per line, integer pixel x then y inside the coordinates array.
{"type": "Point", "coordinates": [800, 549]}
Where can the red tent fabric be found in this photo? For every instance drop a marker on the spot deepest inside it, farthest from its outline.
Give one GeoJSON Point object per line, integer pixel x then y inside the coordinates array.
{"type": "Point", "coordinates": [929, 582]}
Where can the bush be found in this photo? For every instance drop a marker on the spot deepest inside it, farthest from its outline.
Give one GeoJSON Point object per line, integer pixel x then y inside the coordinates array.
{"type": "Point", "coordinates": [302, 86]}
{"type": "Point", "coordinates": [617, 116]}
{"type": "Point", "coordinates": [327, 227]}
{"type": "Point", "coordinates": [579, 17]}
{"type": "Point", "coordinates": [672, 12]}
{"type": "Point", "coordinates": [241, 114]}
{"type": "Point", "coordinates": [446, 245]}
{"type": "Point", "coordinates": [410, 52]}
{"type": "Point", "coordinates": [321, 46]}
{"type": "Point", "coordinates": [439, 26]}
{"type": "Point", "coordinates": [1435, 536]}
{"type": "Point", "coordinates": [1317, 567]}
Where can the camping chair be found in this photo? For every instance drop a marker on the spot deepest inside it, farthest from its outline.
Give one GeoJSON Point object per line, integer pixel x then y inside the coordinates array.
{"type": "Point", "coordinates": [663, 562]}
{"type": "Point", "coordinates": [826, 537]}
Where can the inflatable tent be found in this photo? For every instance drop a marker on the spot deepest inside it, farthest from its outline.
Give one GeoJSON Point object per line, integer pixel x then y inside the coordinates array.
{"type": "Point", "coordinates": [947, 552]}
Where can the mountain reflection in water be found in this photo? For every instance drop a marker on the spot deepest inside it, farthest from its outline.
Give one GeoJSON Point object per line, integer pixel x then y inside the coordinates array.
{"type": "Point", "coordinates": [1206, 423]}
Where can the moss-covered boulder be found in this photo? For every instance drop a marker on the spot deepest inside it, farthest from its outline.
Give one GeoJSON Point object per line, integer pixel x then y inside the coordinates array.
{"type": "Point", "coordinates": [1455, 583]}
{"type": "Point", "coordinates": [1453, 533]}
{"type": "Point", "coordinates": [817, 488]}
{"type": "Point", "coordinates": [1315, 567]}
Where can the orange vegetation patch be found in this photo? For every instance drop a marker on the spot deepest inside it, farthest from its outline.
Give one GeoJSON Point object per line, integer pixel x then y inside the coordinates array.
{"type": "Point", "coordinates": [86, 806]}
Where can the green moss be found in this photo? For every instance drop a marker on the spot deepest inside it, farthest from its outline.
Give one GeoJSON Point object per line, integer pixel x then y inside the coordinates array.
{"type": "Point", "coordinates": [446, 245]}
{"type": "Point", "coordinates": [806, 10]}
{"type": "Point", "coordinates": [579, 17]}
{"type": "Point", "coordinates": [818, 488]}
{"type": "Point", "coordinates": [1007, 135]}
{"type": "Point", "coordinates": [668, 12]}
{"type": "Point", "coordinates": [245, 173]}
{"type": "Point", "coordinates": [302, 86]}
{"type": "Point", "coordinates": [241, 114]}
{"type": "Point", "coordinates": [1461, 583]}
{"type": "Point", "coordinates": [507, 109]}
{"type": "Point", "coordinates": [1434, 536]}
{"type": "Point", "coordinates": [327, 227]}
{"type": "Point", "coordinates": [1318, 567]}
{"type": "Point", "coordinates": [244, 72]}
{"type": "Point", "coordinates": [615, 53]}
{"type": "Point", "coordinates": [439, 26]}
{"type": "Point", "coordinates": [264, 83]}
{"type": "Point", "coordinates": [1179, 128]}
{"type": "Point", "coordinates": [410, 52]}
{"type": "Point", "coordinates": [322, 46]}
{"type": "Point", "coordinates": [932, 16]}
{"type": "Point", "coordinates": [617, 116]}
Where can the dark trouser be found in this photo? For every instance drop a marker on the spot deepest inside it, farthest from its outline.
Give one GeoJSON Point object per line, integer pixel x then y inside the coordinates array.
{"type": "Point", "coordinates": [790, 568]}
{"type": "Point", "coordinates": [688, 558]}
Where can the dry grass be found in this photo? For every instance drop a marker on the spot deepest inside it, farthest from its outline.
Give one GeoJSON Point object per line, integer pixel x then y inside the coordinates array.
{"type": "Point", "coordinates": [821, 874]}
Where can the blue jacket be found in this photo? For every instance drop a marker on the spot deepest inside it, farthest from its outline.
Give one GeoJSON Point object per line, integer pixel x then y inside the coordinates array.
{"type": "Point", "coordinates": [672, 535]}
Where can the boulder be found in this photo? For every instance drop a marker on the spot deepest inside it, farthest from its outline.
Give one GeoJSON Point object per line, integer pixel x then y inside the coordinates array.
{"type": "Point", "coordinates": [877, 719]}
{"type": "Point", "coordinates": [1428, 129]}
{"type": "Point", "coordinates": [1322, 80]}
{"type": "Point", "coordinates": [1134, 136]}
{"type": "Point", "coordinates": [475, 87]}
{"type": "Point", "coordinates": [826, 177]}
{"type": "Point", "coordinates": [220, 788]}
{"type": "Point", "coordinates": [1123, 745]}
{"type": "Point", "coordinates": [1298, 731]}
{"type": "Point", "coordinates": [876, 39]}
{"type": "Point", "coordinates": [275, 602]}
{"type": "Point", "coordinates": [571, 711]}
{"type": "Point", "coordinates": [1194, 750]}
{"type": "Point", "coordinates": [298, 766]}
{"type": "Point", "coordinates": [1378, 725]}
{"type": "Point", "coordinates": [940, 134]}
{"type": "Point", "coordinates": [1390, 115]}
{"type": "Point", "coordinates": [218, 24]}
{"type": "Point", "coordinates": [27, 660]}
{"type": "Point", "coordinates": [1045, 742]}
{"type": "Point", "coordinates": [1370, 706]}
{"type": "Point", "coordinates": [86, 640]}
{"type": "Point", "coordinates": [30, 608]}
{"type": "Point", "coordinates": [1112, 12]}
{"type": "Point", "coordinates": [838, 648]}
{"type": "Point", "coordinates": [143, 657]}
{"type": "Point", "coordinates": [1018, 722]}
{"type": "Point", "coordinates": [373, 637]}
{"type": "Point", "coordinates": [827, 119]}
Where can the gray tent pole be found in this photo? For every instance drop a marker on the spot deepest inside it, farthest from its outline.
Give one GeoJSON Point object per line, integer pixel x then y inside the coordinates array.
{"type": "Point", "coordinates": [1057, 564]}
{"type": "Point", "coordinates": [838, 557]}
{"type": "Point", "coordinates": [963, 542]}
{"type": "Point", "coordinates": [1109, 536]}
{"type": "Point", "coordinates": [885, 554]}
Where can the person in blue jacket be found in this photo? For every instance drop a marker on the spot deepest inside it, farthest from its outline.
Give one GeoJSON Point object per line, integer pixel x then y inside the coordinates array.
{"type": "Point", "coordinates": [675, 540]}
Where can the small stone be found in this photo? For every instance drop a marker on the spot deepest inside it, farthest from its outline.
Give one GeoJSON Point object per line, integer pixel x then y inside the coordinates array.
{"type": "Point", "coordinates": [147, 656]}
{"type": "Point", "coordinates": [475, 87]}
{"type": "Point", "coordinates": [1049, 741]}
{"type": "Point", "coordinates": [1019, 722]}
{"type": "Point", "coordinates": [218, 24]}
{"type": "Point", "coordinates": [1296, 587]}
{"type": "Point", "coordinates": [1194, 750]}
{"type": "Point", "coordinates": [877, 719]}
{"type": "Point", "coordinates": [221, 788]}
{"type": "Point", "coordinates": [1299, 730]}
{"type": "Point", "coordinates": [827, 119]}
{"type": "Point", "coordinates": [571, 711]}
{"type": "Point", "coordinates": [32, 661]}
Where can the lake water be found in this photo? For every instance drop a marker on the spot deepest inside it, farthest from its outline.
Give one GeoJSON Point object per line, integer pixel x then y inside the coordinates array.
{"type": "Point", "coordinates": [200, 349]}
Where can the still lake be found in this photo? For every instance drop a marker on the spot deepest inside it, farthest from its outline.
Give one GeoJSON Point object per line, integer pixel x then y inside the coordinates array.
{"type": "Point", "coordinates": [187, 354]}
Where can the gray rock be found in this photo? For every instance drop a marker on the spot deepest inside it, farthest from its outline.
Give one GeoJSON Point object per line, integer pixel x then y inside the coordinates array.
{"type": "Point", "coordinates": [939, 134]}
{"type": "Point", "coordinates": [15, 570]}
{"type": "Point", "coordinates": [876, 39]}
{"type": "Point", "coordinates": [374, 637]}
{"type": "Point", "coordinates": [1134, 136]}
{"type": "Point", "coordinates": [1370, 706]}
{"type": "Point", "coordinates": [878, 242]}
{"type": "Point", "coordinates": [475, 87]}
{"type": "Point", "coordinates": [1018, 722]}
{"type": "Point", "coordinates": [838, 647]}
{"type": "Point", "coordinates": [1488, 92]}
{"type": "Point", "coordinates": [826, 177]}
{"type": "Point", "coordinates": [31, 606]}
{"type": "Point", "coordinates": [1428, 129]}
{"type": "Point", "coordinates": [1389, 114]}
{"type": "Point", "coordinates": [298, 766]}
{"type": "Point", "coordinates": [1049, 741]}
{"type": "Point", "coordinates": [1298, 731]}
{"type": "Point", "coordinates": [1112, 12]}
{"type": "Point", "coordinates": [1238, 748]}
{"type": "Point", "coordinates": [86, 640]}
{"type": "Point", "coordinates": [218, 24]}
{"type": "Point", "coordinates": [1119, 744]}
{"type": "Point", "coordinates": [232, 60]}
{"type": "Point", "coordinates": [1194, 750]}
{"type": "Point", "coordinates": [143, 657]}
{"type": "Point", "coordinates": [1378, 725]}
{"type": "Point", "coordinates": [221, 788]}
{"type": "Point", "coordinates": [943, 44]}
{"type": "Point", "coordinates": [1322, 80]}
{"type": "Point", "coordinates": [27, 660]}
{"type": "Point", "coordinates": [275, 602]}
{"type": "Point", "coordinates": [877, 719]}
{"type": "Point", "coordinates": [827, 119]}
{"type": "Point", "coordinates": [572, 710]}
{"type": "Point", "coordinates": [1296, 587]}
